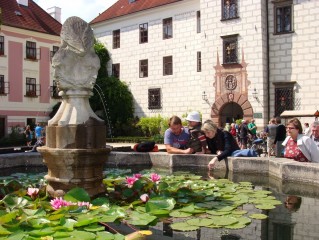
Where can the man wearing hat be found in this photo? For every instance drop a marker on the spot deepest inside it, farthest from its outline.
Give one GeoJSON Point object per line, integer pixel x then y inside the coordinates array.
{"type": "Point", "coordinates": [197, 137]}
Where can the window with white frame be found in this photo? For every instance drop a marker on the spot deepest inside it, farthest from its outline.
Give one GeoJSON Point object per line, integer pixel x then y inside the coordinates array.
{"type": "Point", "coordinates": [230, 49]}
{"type": "Point", "coordinates": [144, 33]}
{"type": "Point", "coordinates": [31, 50]}
{"type": "Point", "coordinates": [116, 70]}
{"type": "Point", "coordinates": [116, 38]}
{"type": "Point", "coordinates": [229, 9]}
{"type": "Point", "coordinates": [1, 45]}
{"type": "Point", "coordinates": [143, 68]}
{"type": "Point", "coordinates": [2, 84]}
{"type": "Point", "coordinates": [154, 98]}
{"type": "Point", "coordinates": [283, 16]}
{"type": "Point", "coordinates": [31, 87]}
{"type": "Point", "coordinates": [199, 61]}
{"type": "Point", "coordinates": [198, 22]}
{"type": "Point", "coordinates": [167, 28]}
{"type": "Point", "coordinates": [167, 65]}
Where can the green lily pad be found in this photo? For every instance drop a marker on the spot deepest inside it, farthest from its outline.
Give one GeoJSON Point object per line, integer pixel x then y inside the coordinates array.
{"type": "Point", "coordinates": [179, 214]}
{"type": "Point", "coordinates": [4, 231]}
{"type": "Point", "coordinates": [77, 195]}
{"type": "Point", "coordinates": [239, 212]}
{"type": "Point", "coordinates": [214, 226]}
{"type": "Point", "coordinates": [200, 222]}
{"type": "Point", "coordinates": [223, 220]}
{"type": "Point", "coordinates": [216, 213]}
{"type": "Point", "coordinates": [265, 206]}
{"type": "Point", "coordinates": [183, 226]}
{"type": "Point", "coordinates": [94, 228]}
{"type": "Point", "coordinates": [235, 226]}
{"type": "Point", "coordinates": [244, 220]}
{"type": "Point", "coordinates": [259, 216]}
{"type": "Point", "coordinates": [226, 209]}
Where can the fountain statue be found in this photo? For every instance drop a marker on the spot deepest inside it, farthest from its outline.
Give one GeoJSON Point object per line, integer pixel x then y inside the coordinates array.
{"type": "Point", "coordinates": [75, 151]}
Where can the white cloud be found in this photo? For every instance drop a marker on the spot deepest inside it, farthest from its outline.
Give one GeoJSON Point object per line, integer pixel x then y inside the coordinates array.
{"type": "Point", "coordinates": [87, 10]}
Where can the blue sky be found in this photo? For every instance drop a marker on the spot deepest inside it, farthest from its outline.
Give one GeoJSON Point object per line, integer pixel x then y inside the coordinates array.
{"type": "Point", "coordinates": [87, 10]}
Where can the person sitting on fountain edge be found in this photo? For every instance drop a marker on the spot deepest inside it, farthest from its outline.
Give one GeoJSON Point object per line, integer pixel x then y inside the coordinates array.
{"type": "Point", "coordinates": [176, 137]}
{"type": "Point", "coordinates": [197, 139]}
{"type": "Point", "coordinates": [39, 143]}
{"type": "Point", "coordinates": [219, 142]}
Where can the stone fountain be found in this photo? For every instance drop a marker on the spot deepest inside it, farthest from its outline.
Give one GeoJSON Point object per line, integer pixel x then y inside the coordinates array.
{"type": "Point", "coordinates": [75, 151]}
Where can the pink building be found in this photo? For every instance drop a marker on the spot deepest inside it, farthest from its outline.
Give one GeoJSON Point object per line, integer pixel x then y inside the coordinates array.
{"type": "Point", "coordinates": [29, 37]}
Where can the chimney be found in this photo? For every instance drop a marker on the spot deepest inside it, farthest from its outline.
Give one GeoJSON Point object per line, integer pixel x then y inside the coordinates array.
{"type": "Point", "coordinates": [55, 12]}
{"type": "Point", "coordinates": [23, 2]}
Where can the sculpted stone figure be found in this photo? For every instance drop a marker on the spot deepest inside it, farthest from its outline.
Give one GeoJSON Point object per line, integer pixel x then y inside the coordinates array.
{"type": "Point", "coordinates": [75, 151]}
{"type": "Point", "coordinates": [76, 64]}
{"type": "Point", "coordinates": [75, 67]}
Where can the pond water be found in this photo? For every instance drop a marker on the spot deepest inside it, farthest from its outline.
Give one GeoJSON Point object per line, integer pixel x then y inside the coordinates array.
{"type": "Point", "coordinates": [296, 218]}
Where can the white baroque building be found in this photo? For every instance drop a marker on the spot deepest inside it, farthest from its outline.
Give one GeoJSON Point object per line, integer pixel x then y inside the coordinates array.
{"type": "Point", "coordinates": [228, 59]}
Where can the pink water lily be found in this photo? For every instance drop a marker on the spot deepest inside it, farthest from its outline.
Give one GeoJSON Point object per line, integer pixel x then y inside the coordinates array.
{"type": "Point", "coordinates": [57, 203]}
{"type": "Point", "coordinates": [87, 204]}
{"type": "Point", "coordinates": [130, 181]}
{"type": "Point", "coordinates": [33, 192]}
{"type": "Point", "coordinates": [144, 197]}
{"type": "Point", "coordinates": [138, 175]}
{"type": "Point", "coordinates": [155, 177]}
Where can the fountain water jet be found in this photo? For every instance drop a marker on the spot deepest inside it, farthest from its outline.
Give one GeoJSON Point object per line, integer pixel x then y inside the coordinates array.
{"type": "Point", "coordinates": [75, 151]}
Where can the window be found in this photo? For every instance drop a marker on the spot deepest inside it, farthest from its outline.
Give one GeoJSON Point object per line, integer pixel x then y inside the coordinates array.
{"type": "Point", "coordinates": [31, 50]}
{"type": "Point", "coordinates": [230, 49]}
{"type": "Point", "coordinates": [1, 45]}
{"type": "Point", "coordinates": [2, 84]}
{"type": "Point", "coordinates": [199, 61]}
{"type": "Point", "coordinates": [154, 98]}
{"type": "Point", "coordinates": [144, 33]}
{"type": "Point", "coordinates": [143, 68]}
{"type": "Point", "coordinates": [116, 38]}
{"type": "Point", "coordinates": [283, 17]}
{"type": "Point", "coordinates": [198, 22]}
{"type": "Point", "coordinates": [167, 28]}
{"type": "Point", "coordinates": [229, 9]}
{"type": "Point", "coordinates": [116, 70]}
{"type": "Point", "coordinates": [167, 65]}
{"type": "Point", "coordinates": [54, 50]}
{"type": "Point", "coordinates": [31, 87]}
{"type": "Point", "coordinates": [284, 99]}
{"type": "Point", "coordinates": [55, 90]}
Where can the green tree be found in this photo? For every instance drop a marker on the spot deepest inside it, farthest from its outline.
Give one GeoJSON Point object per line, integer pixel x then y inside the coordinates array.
{"type": "Point", "coordinates": [112, 98]}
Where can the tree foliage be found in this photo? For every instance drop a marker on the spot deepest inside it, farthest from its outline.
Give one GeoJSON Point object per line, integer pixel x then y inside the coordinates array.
{"type": "Point", "coordinates": [112, 98]}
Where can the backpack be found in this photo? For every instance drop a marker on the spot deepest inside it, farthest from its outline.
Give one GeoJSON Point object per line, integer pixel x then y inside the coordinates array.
{"type": "Point", "coordinates": [145, 147]}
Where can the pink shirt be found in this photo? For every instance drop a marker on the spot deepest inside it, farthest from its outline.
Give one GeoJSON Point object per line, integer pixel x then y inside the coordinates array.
{"type": "Point", "coordinates": [293, 152]}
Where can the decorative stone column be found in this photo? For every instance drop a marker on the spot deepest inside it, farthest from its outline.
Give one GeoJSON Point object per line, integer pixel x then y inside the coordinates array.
{"type": "Point", "coordinates": [75, 151]}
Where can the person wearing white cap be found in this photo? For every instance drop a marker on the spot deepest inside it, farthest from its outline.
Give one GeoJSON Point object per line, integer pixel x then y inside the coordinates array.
{"type": "Point", "coordinates": [176, 137]}
{"type": "Point", "coordinates": [197, 137]}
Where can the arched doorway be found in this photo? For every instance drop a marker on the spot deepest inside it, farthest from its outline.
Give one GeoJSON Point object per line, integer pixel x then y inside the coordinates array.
{"type": "Point", "coordinates": [231, 105]}
{"type": "Point", "coordinates": [230, 112]}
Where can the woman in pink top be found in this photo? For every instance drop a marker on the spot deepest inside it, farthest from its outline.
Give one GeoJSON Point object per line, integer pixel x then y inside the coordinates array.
{"type": "Point", "coordinates": [298, 146]}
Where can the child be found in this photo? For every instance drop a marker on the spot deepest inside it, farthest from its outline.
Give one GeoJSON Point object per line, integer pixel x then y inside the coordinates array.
{"type": "Point", "coordinates": [197, 139]}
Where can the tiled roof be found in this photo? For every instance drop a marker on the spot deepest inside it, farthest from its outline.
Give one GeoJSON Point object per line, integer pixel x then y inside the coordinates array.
{"type": "Point", "coordinates": [123, 7]}
{"type": "Point", "coordinates": [31, 17]}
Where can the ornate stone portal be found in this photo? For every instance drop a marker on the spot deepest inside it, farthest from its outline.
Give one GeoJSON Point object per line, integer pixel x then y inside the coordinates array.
{"type": "Point", "coordinates": [231, 93]}
{"type": "Point", "coordinates": [75, 151]}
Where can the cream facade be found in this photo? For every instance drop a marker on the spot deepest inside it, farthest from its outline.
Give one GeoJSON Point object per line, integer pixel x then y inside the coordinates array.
{"type": "Point", "coordinates": [275, 69]}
